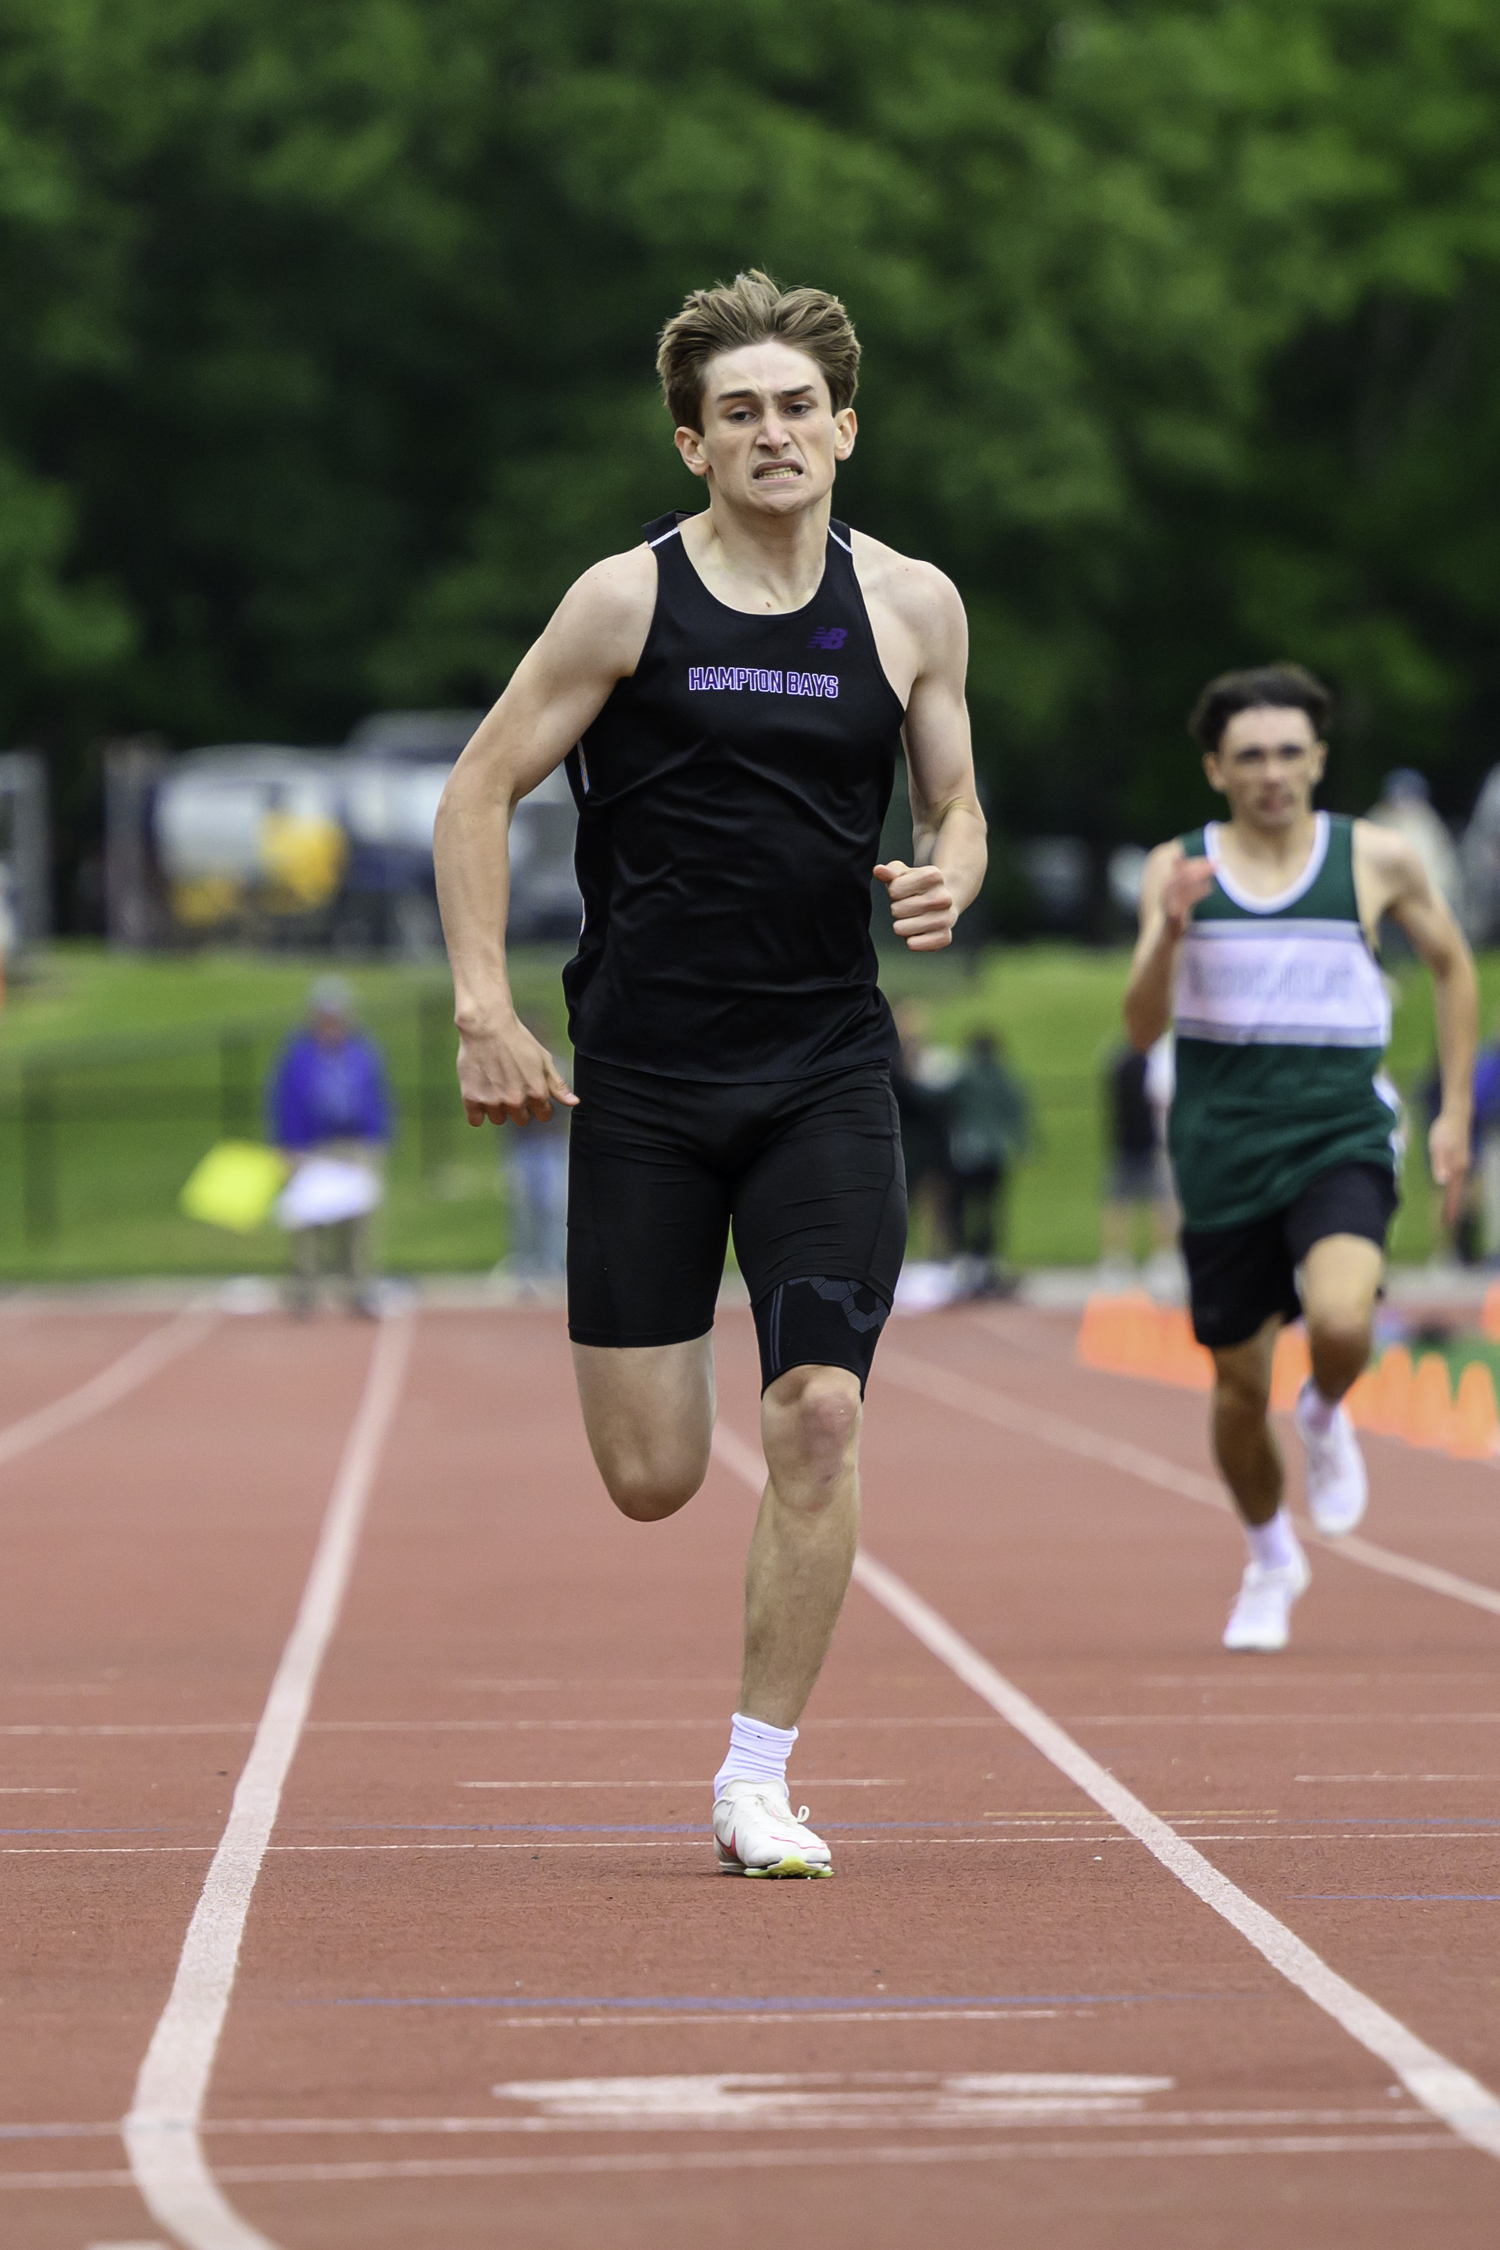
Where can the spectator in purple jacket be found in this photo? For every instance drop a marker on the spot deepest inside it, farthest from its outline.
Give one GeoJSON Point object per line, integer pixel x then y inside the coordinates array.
{"type": "Point", "coordinates": [328, 1098]}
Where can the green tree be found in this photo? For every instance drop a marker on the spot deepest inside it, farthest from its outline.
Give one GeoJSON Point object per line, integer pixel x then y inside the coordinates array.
{"type": "Point", "coordinates": [328, 351]}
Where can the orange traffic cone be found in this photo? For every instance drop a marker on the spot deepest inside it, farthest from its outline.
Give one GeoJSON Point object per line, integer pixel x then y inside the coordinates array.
{"type": "Point", "coordinates": [1390, 1394]}
{"type": "Point", "coordinates": [1290, 1368]}
{"type": "Point", "coordinates": [1185, 1362]}
{"type": "Point", "coordinates": [1474, 1424]}
{"type": "Point", "coordinates": [1431, 1402]}
{"type": "Point", "coordinates": [1489, 1317]}
{"type": "Point", "coordinates": [1142, 1337]}
{"type": "Point", "coordinates": [1097, 1333]}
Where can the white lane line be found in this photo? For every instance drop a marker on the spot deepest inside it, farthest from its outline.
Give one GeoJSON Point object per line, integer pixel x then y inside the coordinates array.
{"type": "Point", "coordinates": [460, 1726]}
{"type": "Point", "coordinates": [1283, 1718]}
{"type": "Point", "coordinates": [593, 1687]}
{"type": "Point", "coordinates": [1422, 1574]}
{"type": "Point", "coordinates": [110, 1385]}
{"type": "Point", "coordinates": [1396, 1777]}
{"type": "Point", "coordinates": [694, 1784]}
{"type": "Point", "coordinates": [1453, 2095]}
{"type": "Point", "coordinates": [161, 2133]}
{"type": "Point", "coordinates": [186, 1726]}
{"type": "Point", "coordinates": [1243, 2119]}
{"type": "Point", "coordinates": [1087, 1444]}
{"type": "Point", "coordinates": [773, 2160]}
{"type": "Point", "coordinates": [803, 2015]}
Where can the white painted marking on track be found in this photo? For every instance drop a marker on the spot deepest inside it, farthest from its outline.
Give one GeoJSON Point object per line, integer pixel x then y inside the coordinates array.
{"type": "Point", "coordinates": [695, 1783]}
{"type": "Point", "coordinates": [110, 1385]}
{"type": "Point", "coordinates": [821, 2102]}
{"type": "Point", "coordinates": [161, 2132]}
{"type": "Point", "coordinates": [1466, 2106]}
{"type": "Point", "coordinates": [856, 2153]}
{"type": "Point", "coordinates": [1088, 1444]}
{"type": "Point", "coordinates": [1285, 1717]}
{"type": "Point", "coordinates": [801, 2015]}
{"type": "Point", "coordinates": [1396, 1777]}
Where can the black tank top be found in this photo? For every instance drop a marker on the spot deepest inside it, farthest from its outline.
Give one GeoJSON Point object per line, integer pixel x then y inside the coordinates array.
{"type": "Point", "coordinates": [730, 799]}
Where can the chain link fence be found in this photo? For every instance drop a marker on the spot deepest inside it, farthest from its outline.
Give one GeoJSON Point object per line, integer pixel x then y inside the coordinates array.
{"type": "Point", "coordinates": [96, 1141]}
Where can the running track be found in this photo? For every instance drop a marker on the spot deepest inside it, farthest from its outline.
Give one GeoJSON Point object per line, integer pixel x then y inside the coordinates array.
{"type": "Point", "coordinates": [1130, 1943]}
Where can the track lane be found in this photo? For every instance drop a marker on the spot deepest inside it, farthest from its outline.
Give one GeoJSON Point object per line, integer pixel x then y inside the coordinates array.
{"type": "Point", "coordinates": [154, 1555]}
{"type": "Point", "coordinates": [33, 1410]}
{"type": "Point", "coordinates": [419, 1960]}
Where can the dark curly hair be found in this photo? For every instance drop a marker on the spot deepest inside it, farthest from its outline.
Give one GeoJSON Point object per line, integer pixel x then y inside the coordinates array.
{"type": "Point", "coordinates": [1265, 686]}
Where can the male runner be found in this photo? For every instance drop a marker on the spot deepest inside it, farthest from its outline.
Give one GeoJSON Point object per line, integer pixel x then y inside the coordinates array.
{"type": "Point", "coordinates": [1260, 931]}
{"type": "Point", "coordinates": [731, 698]}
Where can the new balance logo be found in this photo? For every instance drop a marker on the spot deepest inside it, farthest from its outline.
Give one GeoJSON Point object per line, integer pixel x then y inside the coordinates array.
{"type": "Point", "coordinates": [829, 636]}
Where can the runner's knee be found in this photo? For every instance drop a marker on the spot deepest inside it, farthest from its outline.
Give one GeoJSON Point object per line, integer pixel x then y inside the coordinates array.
{"type": "Point", "coordinates": [1341, 1335]}
{"type": "Point", "coordinates": [649, 1488]}
{"type": "Point", "coordinates": [811, 1421]}
{"type": "Point", "coordinates": [1241, 1388]}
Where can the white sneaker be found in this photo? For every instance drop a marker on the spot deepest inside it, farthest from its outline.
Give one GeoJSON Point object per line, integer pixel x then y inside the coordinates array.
{"type": "Point", "coordinates": [1337, 1486]}
{"type": "Point", "coordinates": [755, 1833]}
{"type": "Point", "coordinates": [1262, 1614]}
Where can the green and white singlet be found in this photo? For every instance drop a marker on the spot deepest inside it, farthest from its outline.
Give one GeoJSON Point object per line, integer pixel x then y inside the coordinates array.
{"type": "Point", "coordinates": [1282, 1020]}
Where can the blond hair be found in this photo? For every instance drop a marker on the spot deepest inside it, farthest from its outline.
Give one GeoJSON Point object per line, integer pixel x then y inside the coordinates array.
{"type": "Point", "coordinates": [749, 311]}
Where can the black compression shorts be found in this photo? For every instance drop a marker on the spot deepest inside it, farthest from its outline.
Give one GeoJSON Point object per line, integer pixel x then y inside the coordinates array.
{"type": "Point", "coordinates": [1239, 1276]}
{"type": "Point", "coordinates": [808, 1172]}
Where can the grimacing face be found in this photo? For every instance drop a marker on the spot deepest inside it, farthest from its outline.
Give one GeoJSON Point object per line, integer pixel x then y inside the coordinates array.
{"type": "Point", "coordinates": [1268, 763]}
{"type": "Point", "coordinates": [771, 441]}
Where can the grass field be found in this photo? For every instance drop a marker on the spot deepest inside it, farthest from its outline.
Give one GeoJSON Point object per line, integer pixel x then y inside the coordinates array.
{"type": "Point", "coordinates": [122, 1069]}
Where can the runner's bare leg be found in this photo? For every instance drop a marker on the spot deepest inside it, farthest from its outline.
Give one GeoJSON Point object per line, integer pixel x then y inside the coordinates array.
{"type": "Point", "coordinates": [1338, 1282]}
{"type": "Point", "coordinates": [649, 1416]}
{"type": "Point", "coordinates": [805, 1535]}
{"type": "Point", "coordinates": [1244, 1442]}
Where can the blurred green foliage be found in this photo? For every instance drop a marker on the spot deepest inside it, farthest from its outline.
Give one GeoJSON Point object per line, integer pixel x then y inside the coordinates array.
{"type": "Point", "coordinates": [327, 351]}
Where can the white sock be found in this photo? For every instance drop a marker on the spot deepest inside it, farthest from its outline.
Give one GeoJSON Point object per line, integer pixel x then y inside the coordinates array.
{"type": "Point", "coordinates": [1273, 1544]}
{"type": "Point", "coordinates": [757, 1752]}
{"type": "Point", "coordinates": [1317, 1412]}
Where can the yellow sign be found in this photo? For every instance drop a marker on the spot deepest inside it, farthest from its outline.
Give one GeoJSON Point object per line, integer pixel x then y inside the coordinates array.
{"type": "Point", "coordinates": [234, 1186]}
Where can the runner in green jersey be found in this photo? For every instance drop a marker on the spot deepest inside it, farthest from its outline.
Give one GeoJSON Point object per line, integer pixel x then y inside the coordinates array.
{"type": "Point", "coordinates": [1258, 937]}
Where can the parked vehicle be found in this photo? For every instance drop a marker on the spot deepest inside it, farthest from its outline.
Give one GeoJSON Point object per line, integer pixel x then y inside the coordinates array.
{"type": "Point", "coordinates": [318, 846]}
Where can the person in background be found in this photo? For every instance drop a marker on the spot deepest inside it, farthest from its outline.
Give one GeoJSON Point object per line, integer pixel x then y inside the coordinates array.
{"type": "Point", "coordinates": [922, 1079]}
{"type": "Point", "coordinates": [535, 1166]}
{"type": "Point", "coordinates": [1138, 1096]}
{"type": "Point", "coordinates": [1406, 809]}
{"type": "Point", "coordinates": [989, 1129]}
{"type": "Point", "coordinates": [1485, 1218]}
{"type": "Point", "coordinates": [328, 1097]}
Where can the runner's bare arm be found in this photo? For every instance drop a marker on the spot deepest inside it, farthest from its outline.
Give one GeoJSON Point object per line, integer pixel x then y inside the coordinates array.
{"type": "Point", "coordinates": [948, 825]}
{"type": "Point", "coordinates": [1170, 888]}
{"type": "Point", "coordinates": [559, 687]}
{"type": "Point", "coordinates": [1390, 878]}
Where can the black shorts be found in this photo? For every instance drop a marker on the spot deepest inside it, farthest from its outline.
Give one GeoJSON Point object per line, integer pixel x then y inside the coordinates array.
{"type": "Point", "coordinates": [1239, 1276]}
{"type": "Point", "coordinates": [807, 1171]}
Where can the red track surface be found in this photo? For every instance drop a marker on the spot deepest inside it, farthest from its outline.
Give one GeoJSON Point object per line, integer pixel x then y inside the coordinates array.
{"type": "Point", "coordinates": [433, 1963]}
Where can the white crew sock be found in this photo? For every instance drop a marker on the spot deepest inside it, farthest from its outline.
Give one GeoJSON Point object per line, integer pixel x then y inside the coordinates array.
{"type": "Point", "coordinates": [1315, 1412]}
{"type": "Point", "coordinates": [756, 1753]}
{"type": "Point", "coordinates": [1273, 1544]}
